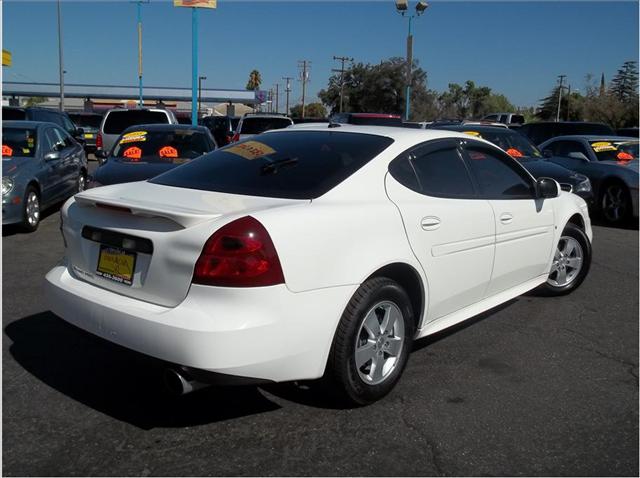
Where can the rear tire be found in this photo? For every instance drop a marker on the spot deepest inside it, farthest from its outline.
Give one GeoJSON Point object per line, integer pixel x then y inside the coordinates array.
{"type": "Point", "coordinates": [615, 203]}
{"type": "Point", "coordinates": [571, 262]}
{"type": "Point", "coordinates": [372, 342]}
{"type": "Point", "coordinates": [31, 210]}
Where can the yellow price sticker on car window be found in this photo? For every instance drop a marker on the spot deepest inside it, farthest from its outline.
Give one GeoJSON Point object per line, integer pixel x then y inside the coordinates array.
{"type": "Point", "coordinates": [603, 146]}
{"type": "Point", "coordinates": [250, 150]}
{"type": "Point", "coordinates": [134, 137]}
{"type": "Point", "coordinates": [473, 133]}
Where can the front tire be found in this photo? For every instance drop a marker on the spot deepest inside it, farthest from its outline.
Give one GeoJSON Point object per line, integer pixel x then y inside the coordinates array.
{"type": "Point", "coordinates": [31, 210]}
{"type": "Point", "coordinates": [372, 342]}
{"type": "Point", "coordinates": [571, 262]}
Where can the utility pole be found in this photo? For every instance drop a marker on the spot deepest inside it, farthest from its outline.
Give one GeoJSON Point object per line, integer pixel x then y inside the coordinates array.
{"type": "Point", "coordinates": [342, 59]}
{"type": "Point", "coordinates": [568, 101]}
{"type": "Point", "coordinates": [60, 59]}
{"type": "Point", "coordinates": [287, 89]}
{"type": "Point", "coordinates": [562, 77]}
{"type": "Point", "coordinates": [277, 97]}
{"type": "Point", "coordinates": [139, 11]}
{"type": "Point", "coordinates": [304, 78]}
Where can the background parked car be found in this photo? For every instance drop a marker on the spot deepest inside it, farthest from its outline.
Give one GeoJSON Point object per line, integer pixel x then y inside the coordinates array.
{"type": "Point", "coordinates": [144, 151]}
{"type": "Point", "coordinates": [60, 118]}
{"type": "Point", "coordinates": [538, 133]}
{"type": "Point", "coordinates": [90, 124]}
{"type": "Point", "coordinates": [116, 120]}
{"type": "Point", "coordinates": [610, 162]}
{"type": "Point", "coordinates": [374, 119]}
{"type": "Point", "coordinates": [255, 123]}
{"type": "Point", "coordinates": [41, 165]}
{"type": "Point", "coordinates": [222, 127]}
{"type": "Point", "coordinates": [505, 118]}
{"type": "Point", "coordinates": [522, 150]}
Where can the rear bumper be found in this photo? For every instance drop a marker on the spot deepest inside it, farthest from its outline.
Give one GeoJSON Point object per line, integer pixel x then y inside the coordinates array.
{"type": "Point", "coordinates": [267, 333]}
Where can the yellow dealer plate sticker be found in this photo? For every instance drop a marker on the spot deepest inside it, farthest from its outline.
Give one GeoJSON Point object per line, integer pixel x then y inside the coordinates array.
{"type": "Point", "coordinates": [473, 133]}
{"type": "Point", "coordinates": [116, 264]}
{"type": "Point", "coordinates": [134, 137]}
{"type": "Point", "coordinates": [250, 150]}
{"type": "Point", "coordinates": [603, 146]}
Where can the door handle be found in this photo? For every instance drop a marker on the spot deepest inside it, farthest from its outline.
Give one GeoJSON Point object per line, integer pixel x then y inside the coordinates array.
{"type": "Point", "coordinates": [506, 218]}
{"type": "Point", "coordinates": [430, 223]}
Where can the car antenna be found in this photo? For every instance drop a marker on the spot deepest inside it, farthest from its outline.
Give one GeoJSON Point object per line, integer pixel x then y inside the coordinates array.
{"type": "Point", "coordinates": [333, 125]}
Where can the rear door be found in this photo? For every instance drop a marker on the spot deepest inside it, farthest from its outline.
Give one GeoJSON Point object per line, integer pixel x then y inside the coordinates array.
{"type": "Point", "coordinates": [450, 229]}
{"type": "Point", "coordinates": [52, 181]}
{"type": "Point", "coordinates": [523, 224]}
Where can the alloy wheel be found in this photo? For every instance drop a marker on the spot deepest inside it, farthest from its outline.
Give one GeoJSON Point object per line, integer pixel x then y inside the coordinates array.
{"type": "Point", "coordinates": [567, 262]}
{"type": "Point", "coordinates": [379, 342]}
{"type": "Point", "coordinates": [33, 209]}
{"type": "Point", "coordinates": [614, 203]}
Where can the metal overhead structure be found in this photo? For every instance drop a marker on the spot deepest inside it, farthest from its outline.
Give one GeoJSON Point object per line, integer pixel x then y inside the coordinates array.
{"type": "Point", "coordinates": [117, 92]}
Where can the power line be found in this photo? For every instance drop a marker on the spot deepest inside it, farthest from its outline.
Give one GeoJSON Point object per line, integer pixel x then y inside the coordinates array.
{"type": "Point", "coordinates": [342, 59]}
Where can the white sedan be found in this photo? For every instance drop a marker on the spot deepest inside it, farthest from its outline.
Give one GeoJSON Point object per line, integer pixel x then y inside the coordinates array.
{"type": "Point", "coordinates": [319, 251]}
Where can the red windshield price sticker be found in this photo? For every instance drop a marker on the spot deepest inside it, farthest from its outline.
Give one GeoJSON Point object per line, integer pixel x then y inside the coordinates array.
{"type": "Point", "coordinates": [250, 150]}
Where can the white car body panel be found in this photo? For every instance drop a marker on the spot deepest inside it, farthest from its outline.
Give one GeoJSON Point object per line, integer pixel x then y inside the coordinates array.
{"type": "Point", "coordinates": [327, 247]}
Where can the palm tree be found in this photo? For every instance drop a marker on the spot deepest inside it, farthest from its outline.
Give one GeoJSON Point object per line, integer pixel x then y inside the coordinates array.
{"type": "Point", "coordinates": [255, 80]}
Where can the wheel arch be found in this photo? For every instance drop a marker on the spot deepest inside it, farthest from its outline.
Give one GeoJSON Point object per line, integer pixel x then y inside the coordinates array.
{"type": "Point", "coordinates": [409, 279]}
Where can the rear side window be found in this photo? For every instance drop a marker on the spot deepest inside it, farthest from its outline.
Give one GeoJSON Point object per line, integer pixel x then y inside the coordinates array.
{"type": "Point", "coordinates": [498, 175]}
{"type": "Point", "coordinates": [291, 164]}
{"type": "Point", "coordinates": [260, 125]}
{"type": "Point", "coordinates": [435, 169]}
{"type": "Point", "coordinates": [117, 121]}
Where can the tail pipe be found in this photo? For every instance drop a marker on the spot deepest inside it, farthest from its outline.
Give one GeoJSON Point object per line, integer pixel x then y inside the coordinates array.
{"type": "Point", "coordinates": [179, 382]}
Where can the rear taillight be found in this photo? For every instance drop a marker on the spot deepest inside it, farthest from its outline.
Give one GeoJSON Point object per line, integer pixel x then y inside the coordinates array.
{"type": "Point", "coordinates": [99, 141]}
{"type": "Point", "coordinates": [235, 138]}
{"type": "Point", "coordinates": [240, 254]}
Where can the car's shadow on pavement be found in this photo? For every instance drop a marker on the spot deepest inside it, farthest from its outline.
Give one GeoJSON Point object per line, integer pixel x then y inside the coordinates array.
{"type": "Point", "coordinates": [128, 386]}
{"type": "Point", "coordinates": [13, 229]}
{"type": "Point", "coordinates": [119, 382]}
{"type": "Point", "coordinates": [630, 225]}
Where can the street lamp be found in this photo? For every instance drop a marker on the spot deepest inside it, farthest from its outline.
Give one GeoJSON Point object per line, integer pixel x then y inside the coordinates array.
{"type": "Point", "coordinates": [402, 7]}
{"type": "Point", "coordinates": [200, 78]}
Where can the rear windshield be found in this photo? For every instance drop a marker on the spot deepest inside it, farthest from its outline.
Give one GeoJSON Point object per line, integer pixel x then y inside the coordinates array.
{"type": "Point", "coordinates": [18, 142]}
{"type": "Point", "coordinates": [176, 146]}
{"type": "Point", "coordinates": [615, 150]}
{"type": "Point", "coordinates": [118, 121]}
{"type": "Point", "coordinates": [292, 164]}
{"type": "Point", "coordinates": [84, 121]}
{"type": "Point", "coordinates": [260, 125]}
{"type": "Point", "coordinates": [9, 114]}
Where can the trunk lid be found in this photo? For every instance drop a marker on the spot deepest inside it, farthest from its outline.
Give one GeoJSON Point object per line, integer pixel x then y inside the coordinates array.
{"type": "Point", "coordinates": [156, 231]}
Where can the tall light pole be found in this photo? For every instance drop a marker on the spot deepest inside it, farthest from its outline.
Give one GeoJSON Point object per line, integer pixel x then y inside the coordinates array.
{"type": "Point", "coordinates": [139, 11]}
{"type": "Point", "coordinates": [60, 59]}
{"type": "Point", "coordinates": [402, 7]}
{"type": "Point", "coordinates": [200, 78]}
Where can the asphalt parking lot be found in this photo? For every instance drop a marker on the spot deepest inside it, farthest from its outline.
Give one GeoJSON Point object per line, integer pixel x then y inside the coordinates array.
{"type": "Point", "coordinates": [538, 386]}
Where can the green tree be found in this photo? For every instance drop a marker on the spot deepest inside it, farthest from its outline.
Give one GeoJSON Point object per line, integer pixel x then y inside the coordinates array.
{"type": "Point", "coordinates": [312, 110]}
{"type": "Point", "coordinates": [34, 100]}
{"type": "Point", "coordinates": [471, 101]}
{"type": "Point", "coordinates": [624, 85]}
{"type": "Point", "coordinates": [255, 80]}
{"type": "Point", "coordinates": [548, 108]}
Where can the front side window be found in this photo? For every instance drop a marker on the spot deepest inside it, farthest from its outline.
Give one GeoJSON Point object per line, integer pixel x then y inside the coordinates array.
{"type": "Point", "coordinates": [498, 175]}
{"type": "Point", "coordinates": [288, 164]}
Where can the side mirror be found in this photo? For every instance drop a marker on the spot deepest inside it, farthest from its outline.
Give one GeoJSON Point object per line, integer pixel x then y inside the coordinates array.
{"type": "Point", "coordinates": [578, 155]}
{"type": "Point", "coordinates": [101, 156]}
{"type": "Point", "coordinates": [53, 156]}
{"type": "Point", "coordinates": [547, 153]}
{"type": "Point", "coordinates": [547, 188]}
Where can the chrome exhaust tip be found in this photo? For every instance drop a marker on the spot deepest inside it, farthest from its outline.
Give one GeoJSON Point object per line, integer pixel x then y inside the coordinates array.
{"type": "Point", "coordinates": [178, 382]}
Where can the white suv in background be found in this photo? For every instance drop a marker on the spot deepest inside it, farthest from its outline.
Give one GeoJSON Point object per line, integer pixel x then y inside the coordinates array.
{"type": "Point", "coordinates": [116, 120]}
{"type": "Point", "coordinates": [255, 123]}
